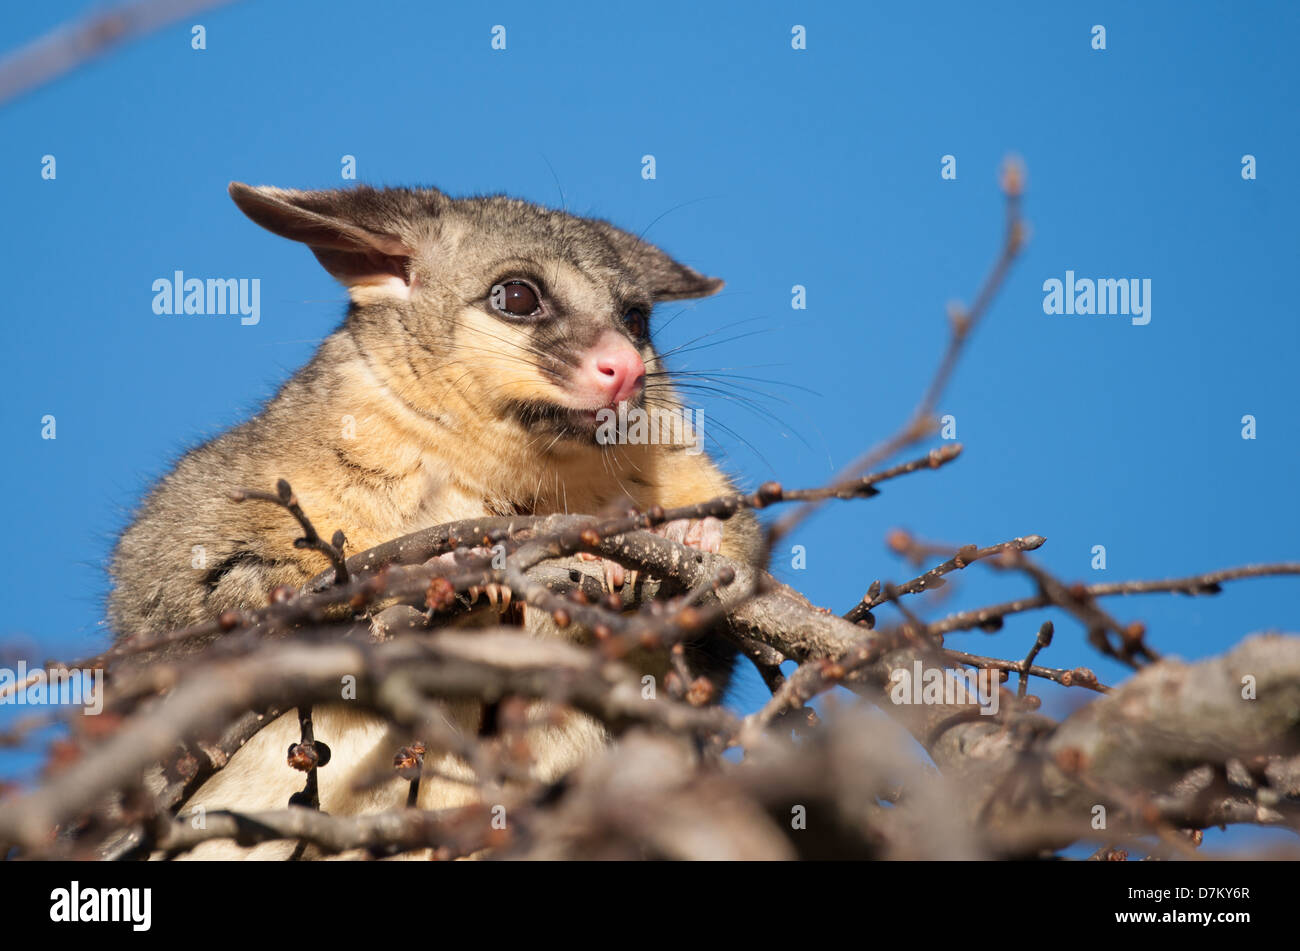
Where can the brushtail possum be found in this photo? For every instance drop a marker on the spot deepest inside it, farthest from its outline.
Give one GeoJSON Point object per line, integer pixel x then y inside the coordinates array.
{"type": "Point", "coordinates": [483, 336]}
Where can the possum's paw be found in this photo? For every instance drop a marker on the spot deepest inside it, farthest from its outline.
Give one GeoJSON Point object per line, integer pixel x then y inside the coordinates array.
{"type": "Point", "coordinates": [702, 533]}
{"type": "Point", "coordinates": [498, 595]}
{"type": "Point", "coordinates": [613, 575]}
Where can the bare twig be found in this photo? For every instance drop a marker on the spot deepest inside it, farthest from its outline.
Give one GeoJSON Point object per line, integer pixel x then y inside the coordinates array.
{"type": "Point", "coordinates": [963, 324]}
{"type": "Point", "coordinates": [284, 496]}
{"type": "Point", "coordinates": [71, 45]}
{"type": "Point", "coordinates": [932, 579]}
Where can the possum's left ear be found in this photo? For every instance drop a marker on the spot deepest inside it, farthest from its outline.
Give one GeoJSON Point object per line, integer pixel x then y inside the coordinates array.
{"type": "Point", "coordinates": [665, 278]}
{"type": "Point", "coordinates": [362, 258]}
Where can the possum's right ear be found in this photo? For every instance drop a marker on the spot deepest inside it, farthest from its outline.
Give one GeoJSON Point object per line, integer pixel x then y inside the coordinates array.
{"type": "Point", "coordinates": [370, 263]}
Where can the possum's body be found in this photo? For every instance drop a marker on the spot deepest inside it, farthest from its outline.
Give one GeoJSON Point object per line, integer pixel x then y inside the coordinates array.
{"type": "Point", "coordinates": [437, 400]}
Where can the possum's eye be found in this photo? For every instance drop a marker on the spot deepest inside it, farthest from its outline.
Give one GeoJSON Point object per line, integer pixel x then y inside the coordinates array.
{"type": "Point", "coordinates": [516, 299]}
{"type": "Point", "coordinates": [637, 322]}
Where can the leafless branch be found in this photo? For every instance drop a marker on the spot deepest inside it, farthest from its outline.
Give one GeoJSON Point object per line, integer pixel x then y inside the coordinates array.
{"type": "Point", "coordinates": [72, 45]}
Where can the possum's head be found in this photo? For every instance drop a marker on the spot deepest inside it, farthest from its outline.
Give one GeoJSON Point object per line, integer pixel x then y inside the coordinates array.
{"type": "Point", "coordinates": [536, 317]}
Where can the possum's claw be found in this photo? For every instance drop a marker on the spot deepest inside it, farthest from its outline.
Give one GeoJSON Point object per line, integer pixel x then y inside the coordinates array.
{"type": "Point", "coordinates": [498, 595]}
{"type": "Point", "coordinates": [613, 575]}
{"type": "Point", "coordinates": [703, 534]}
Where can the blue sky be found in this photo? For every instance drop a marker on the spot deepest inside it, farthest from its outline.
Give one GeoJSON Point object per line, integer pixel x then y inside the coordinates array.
{"type": "Point", "coordinates": [775, 167]}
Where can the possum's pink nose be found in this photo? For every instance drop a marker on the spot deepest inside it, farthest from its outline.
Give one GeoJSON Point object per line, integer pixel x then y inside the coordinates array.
{"type": "Point", "coordinates": [613, 369]}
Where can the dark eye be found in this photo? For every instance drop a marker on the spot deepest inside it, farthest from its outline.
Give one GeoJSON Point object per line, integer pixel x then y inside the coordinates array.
{"type": "Point", "coordinates": [515, 298]}
{"type": "Point", "coordinates": [636, 322]}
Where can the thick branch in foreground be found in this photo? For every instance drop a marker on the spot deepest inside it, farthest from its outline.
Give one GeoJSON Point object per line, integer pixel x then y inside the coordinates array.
{"type": "Point", "coordinates": [456, 831]}
{"type": "Point", "coordinates": [448, 665]}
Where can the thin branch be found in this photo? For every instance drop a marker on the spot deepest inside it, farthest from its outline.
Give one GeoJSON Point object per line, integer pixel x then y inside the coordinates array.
{"type": "Point", "coordinates": [1042, 641]}
{"type": "Point", "coordinates": [284, 497]}
{"type": "Point", "coordinates": [963, 324]}
{"type": "Point", "coordinates": [1078, 677]}
{"type": "Point", "coordinates": [932, 579]}
{"type": "Point", "coordinates": [991, 616]}
{"type": "Point", "coordinates": [72, 45]}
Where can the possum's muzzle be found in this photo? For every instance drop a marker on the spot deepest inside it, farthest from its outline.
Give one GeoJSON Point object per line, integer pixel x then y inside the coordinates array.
{"type": "Point", "coordinates": [580, 425]}
{"type": "Point", "coordinates": [608, 378]}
